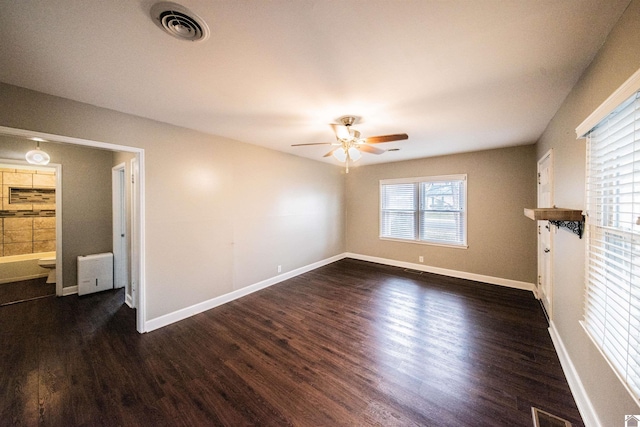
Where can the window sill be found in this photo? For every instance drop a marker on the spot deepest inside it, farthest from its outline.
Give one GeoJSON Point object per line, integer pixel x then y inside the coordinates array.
{"type": "Point", "coordinates": [419, 242]}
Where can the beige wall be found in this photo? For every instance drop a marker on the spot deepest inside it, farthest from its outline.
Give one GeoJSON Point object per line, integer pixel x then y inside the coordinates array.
{"type": "Point", "coordinates": [220, 214]}
{"type": "Point", "coordinates": [617, 61]}
{"type": "Point", "coordinates": [86, 198]}
{"type": "Point", "coordinates": [501, 183]}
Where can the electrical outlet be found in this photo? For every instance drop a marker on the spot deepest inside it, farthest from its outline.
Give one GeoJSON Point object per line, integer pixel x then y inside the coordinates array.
{"type": "Point", "coordinates": [421, 258]}
{"type": "Point", "coordinates": [279, 269]}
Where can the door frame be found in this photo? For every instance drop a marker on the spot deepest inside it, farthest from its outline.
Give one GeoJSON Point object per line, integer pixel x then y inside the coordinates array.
{"type": "Point", "coordinates": [135, 275]}
{"type": "Point", "coordinates": [140, 214]}
{"type": "Point", "coordinates": [121, 251]}
{"type": "Point", "coordinates": [545, 224]}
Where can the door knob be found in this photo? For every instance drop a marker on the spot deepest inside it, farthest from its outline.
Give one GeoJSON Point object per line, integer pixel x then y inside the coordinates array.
{"type": "Point", "coordinates": [547, 250]}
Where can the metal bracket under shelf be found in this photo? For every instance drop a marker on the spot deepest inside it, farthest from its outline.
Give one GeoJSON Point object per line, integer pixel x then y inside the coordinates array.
{"type": "Point", "coordinates": [577, 227]}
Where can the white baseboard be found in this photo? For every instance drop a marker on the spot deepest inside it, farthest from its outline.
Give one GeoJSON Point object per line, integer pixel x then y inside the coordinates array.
{"type": "Point", "coordinates": [184, 313]}
{"type": "Point", "coordinates": [583, 402]}
{"type": "Point", "coordinates": [178, 315]}
{"type": "Point", "coordinates": [446, 272]}
{"type": "Point", "coordinates": [69, 290]}
{"type": "Point", "coordinates": [128, 300]}
{"type": "Point", "coordinates": [20, 279]}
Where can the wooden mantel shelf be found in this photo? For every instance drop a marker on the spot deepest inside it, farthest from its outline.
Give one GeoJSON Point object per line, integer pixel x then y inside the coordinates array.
{"type": "Point", "coordinates": [571, 219]}
{"type": "Point", "coordinates": [554, 214]}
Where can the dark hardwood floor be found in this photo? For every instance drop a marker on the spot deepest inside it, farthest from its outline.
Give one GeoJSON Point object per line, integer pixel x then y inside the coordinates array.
{"type": "Point", "coordinates": [351, 343]}
{"type": "Point", "coordinates": [15, 292]}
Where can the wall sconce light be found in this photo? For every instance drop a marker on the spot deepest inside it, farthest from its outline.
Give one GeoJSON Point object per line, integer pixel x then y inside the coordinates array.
{"type": "Point", "coordinates": [37, 156]}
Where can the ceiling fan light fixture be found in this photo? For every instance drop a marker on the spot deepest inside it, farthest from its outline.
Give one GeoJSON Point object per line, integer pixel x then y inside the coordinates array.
{"type": "Point", "coordinates": [349, 143]}
{"type": "Point", "coordinates": [340, 155]}
{"type": "Point", "coordinates": [37, 156]}
{"type": "Point", "coordinates": [354, 153]}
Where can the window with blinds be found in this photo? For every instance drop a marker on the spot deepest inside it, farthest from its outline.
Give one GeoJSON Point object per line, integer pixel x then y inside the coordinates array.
{"type": "Point", "coordinates": [612, 300]}
{"type": "Point", "coordinates": [426, 210]}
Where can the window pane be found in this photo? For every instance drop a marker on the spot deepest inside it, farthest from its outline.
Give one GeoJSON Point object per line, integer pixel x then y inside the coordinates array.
{"type": "Point", "coordinates": [398, 225]}
{"type": "Point", "coordinates": [399, 196]}
{"type": "Point", "coordinates": [397, 216]}
{"type": "Point", "coordinates": [441, 212]}
{"type": "Point", "coordinates": [443, 227]}
{"type": "Point", "coordinates": [447, 196]}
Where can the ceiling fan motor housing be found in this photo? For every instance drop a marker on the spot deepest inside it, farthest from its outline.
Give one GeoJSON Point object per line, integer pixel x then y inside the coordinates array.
{"type": "Point", "coordinates": [348, 120]}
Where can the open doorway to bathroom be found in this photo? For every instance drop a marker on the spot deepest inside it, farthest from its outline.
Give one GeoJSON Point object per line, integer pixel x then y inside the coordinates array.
{"type": "Point", "coordinates": [86, 228]}
{"type": "Point", "coordinates": [28, 214]}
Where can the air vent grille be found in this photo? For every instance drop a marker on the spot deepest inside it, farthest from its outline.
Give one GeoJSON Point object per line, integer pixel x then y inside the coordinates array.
{"type": "Point", "coordinates": [545, 419]}
{"type": "Point", "coordinates": [179, 22]}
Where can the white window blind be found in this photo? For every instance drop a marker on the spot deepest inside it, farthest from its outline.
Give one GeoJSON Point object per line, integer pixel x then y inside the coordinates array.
{"type": "Point", "coordinates": [428, 209]}
{"type": "Point", "coordinates": [612, 300]}
{"type": "Point", "coordinates": [398, 211]}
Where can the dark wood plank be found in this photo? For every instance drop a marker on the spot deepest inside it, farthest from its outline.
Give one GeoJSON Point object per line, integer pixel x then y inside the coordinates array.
{"type": "Point", "coordinates": [14, 292]}
{"type": "Point", "coordinates": [351, 343]}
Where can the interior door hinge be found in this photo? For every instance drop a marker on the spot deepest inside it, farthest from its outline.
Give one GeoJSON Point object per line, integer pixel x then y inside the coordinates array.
{"type": "Point", "coordinates": [132, 179]}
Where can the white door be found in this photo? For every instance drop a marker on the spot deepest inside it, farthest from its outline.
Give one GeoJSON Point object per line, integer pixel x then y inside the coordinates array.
{"type": "Point", "coordinates": [120, 247]}
{"type": "Point", "coordinates": [545, 237]}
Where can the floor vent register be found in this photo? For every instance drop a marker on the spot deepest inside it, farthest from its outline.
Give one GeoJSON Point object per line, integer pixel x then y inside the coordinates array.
{"type": "Point", "coordinates": [545, 419]}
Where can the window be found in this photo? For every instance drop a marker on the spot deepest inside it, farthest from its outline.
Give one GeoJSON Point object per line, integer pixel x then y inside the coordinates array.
{"type": "Point", "coordinates": [612, 300]}
{"type": "Point", "coordinates": [426, 210]}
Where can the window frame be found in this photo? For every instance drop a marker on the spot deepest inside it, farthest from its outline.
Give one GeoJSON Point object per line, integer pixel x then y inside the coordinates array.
{"type": "Point", "coordinates": [417, 210]}
{"type": "Point", "coordinates": [605, 228]}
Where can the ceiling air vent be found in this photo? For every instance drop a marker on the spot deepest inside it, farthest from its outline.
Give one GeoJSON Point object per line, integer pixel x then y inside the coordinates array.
{"type": "Point", "coordinates": [179, 21]}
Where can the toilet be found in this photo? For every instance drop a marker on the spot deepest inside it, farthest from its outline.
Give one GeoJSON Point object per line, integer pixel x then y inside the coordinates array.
{"type": "Point", "coordinates": [49, 263]}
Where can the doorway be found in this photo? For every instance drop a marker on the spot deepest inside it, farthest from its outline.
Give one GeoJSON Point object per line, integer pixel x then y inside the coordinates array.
{"type": "Point", "coordinates": [29, 228]}
{"type": "Point", "coordinates": [545, 237]}
{"type": "Point", "coordinates": [137, 239]}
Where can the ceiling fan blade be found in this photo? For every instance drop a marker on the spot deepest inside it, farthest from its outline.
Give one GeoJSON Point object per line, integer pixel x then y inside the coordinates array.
{"type": "Point", "coordinates": [386, 138]}
{"type": "Point", "coordinates": [370, 149]}
{"type": "Point", "coordinates": [330, 152]}
{"type": "Point", "coordinates": [342, 132]}
{"type": "Point", "coordinates": [313, 143]}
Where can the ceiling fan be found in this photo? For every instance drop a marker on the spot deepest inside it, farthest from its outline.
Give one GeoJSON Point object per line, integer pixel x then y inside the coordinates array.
{"type": "Point", "coordinates": [349, 145]}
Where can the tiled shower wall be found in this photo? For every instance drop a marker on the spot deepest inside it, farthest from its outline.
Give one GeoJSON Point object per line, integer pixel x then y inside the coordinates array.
{"type": "Point", "coordinates": [26, 227]}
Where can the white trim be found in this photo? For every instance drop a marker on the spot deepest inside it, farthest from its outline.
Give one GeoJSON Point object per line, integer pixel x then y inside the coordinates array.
{"type": "Point", "coordinates": [628, 88]}
{"type": "Point", "coordinates": [425, 242]}
{"type": "Point", "coordinates": [69, 290]}
{"type": "Point", "coordinates": [49, 137]}
{"type": "Point", "coordinates": [184, 313]}
{"type": "Point", "coordinates": [119, 227]}
{"type": "Point", "coordinates": [587, 411]}
{"type": "Point", "coordinates": [59, 250]}
{"type": "Point", "coordinates": [613, 368]}
{"type": "Point", "coordinates": [455, 177]}
{"type": "Point", "coordinates": [417, 209]}
{"type": "Point", "coordinates": [140, 295]}
{"type": "Point", "coordinates": [446, 272]}
{"type": "Point", "coordinates": [539, 292]}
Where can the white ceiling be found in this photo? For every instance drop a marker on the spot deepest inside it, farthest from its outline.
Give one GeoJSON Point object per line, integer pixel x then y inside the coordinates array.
{"type": "Point", "coordinates": [457, 75]}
